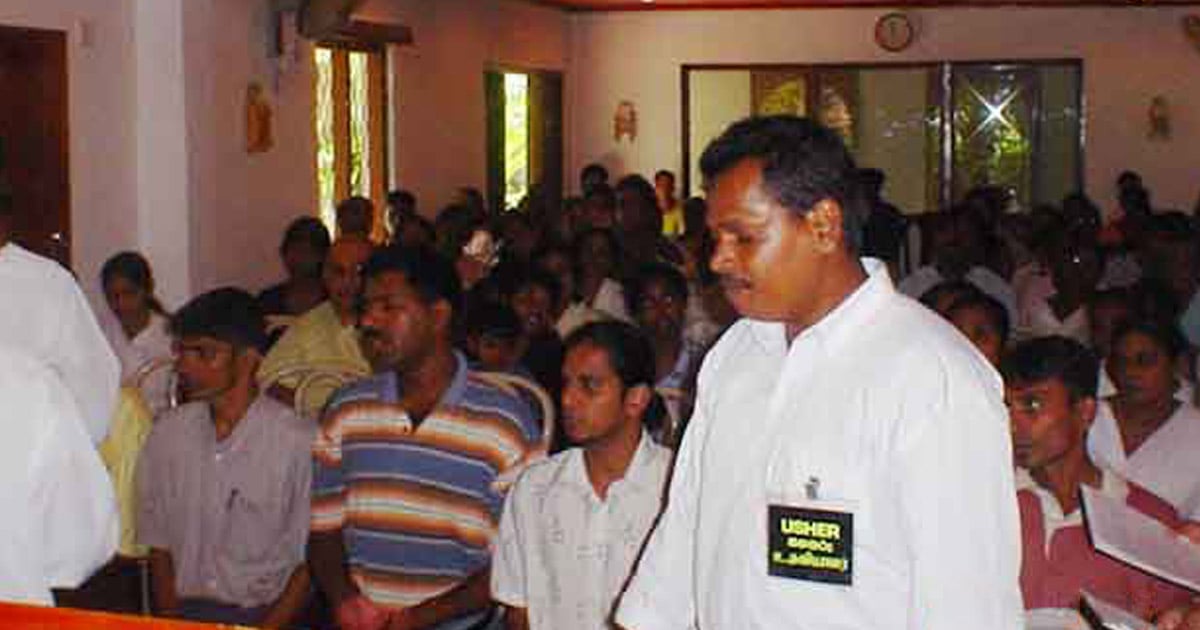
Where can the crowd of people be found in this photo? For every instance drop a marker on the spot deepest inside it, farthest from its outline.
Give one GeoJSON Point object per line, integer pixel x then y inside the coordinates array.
{"type": "Point", "coordinates": [719, 412]}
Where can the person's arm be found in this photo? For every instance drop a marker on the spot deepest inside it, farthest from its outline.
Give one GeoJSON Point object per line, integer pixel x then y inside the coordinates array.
{"type": "Point", "coordinates": [72, 499]}
{"type": "Point", "coordinates": [86, 362]}
{"type": "Point", "coordinates": [516, 618]}
{"type": "Point", "coordinates": [326, 548]}
{"type": "Point", "coordinates": [327, 558]}
{"type": "Point", "coordinates": [956, 500]}
{"type": "Point", "coordinates": [470, 596]}
{"type": "Point", "coordinates": [162, 579]}
{"type": "Point", "coordinates": [290, 602]}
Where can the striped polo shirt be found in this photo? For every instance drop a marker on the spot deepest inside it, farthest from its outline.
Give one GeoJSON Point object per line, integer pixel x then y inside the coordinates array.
{"type": "Point", "coordinates": [418, 506]}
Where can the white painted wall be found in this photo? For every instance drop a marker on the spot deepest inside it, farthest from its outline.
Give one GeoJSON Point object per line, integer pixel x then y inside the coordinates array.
{"type": "Point", "coordinates": [1129, 54]}
{"type": "Point", "coordinates": [716, 98]}
{"type": "Point", "coordinates": [163, 212]}
{"type": "Point", "coordinates": [103, 140]}
{"type": "Point", "coordinates": [241, 202]}
{"type": "Point", "coordinates": [440, 125]}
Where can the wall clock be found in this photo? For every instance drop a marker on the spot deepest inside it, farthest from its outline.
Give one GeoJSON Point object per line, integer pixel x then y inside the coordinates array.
{"type": "Point", "coordinates": [894, 32]}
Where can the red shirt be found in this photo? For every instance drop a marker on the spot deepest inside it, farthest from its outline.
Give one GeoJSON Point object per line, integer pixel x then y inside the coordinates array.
{"type": "Point", "coordinates": [1058, 560]}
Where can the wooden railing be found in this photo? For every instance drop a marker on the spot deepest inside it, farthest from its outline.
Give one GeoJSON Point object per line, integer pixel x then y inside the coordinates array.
{"type": "Point", "coordinates": [19, 617]}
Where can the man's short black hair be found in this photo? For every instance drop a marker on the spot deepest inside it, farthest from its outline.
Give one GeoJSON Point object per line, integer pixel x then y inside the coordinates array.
{"type": "Point", "coordinates": [802, 164]}
{"type": "Point", "coordinates": [671, 278]}
{"type": "Point", "coordinates": [595, 169]}
{"type": "Point", "coordinates": [1053, 357]}
{"type": "Point", "coordinates": [872, 180]}
{"type": "Point", "coordinates": [430, 275]}
{"type": "Point", "coordinates": [308, 230]}
{"type": "Point", "coordinates": [535, 277]}
{"type": "Point", "coordinates": [227, 314]}
{"type": "Point", "coordinates": [664, 173]}
{"type": "Point", "coordinates": [493, 319]}
{"type": "Point", "coordinates": [402, 199]}
{"type": "Point", "coordinates": [951, 290]}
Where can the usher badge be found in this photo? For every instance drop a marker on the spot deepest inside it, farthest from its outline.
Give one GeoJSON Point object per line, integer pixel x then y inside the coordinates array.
{"type": "Point", "coordinates": [809, 544]}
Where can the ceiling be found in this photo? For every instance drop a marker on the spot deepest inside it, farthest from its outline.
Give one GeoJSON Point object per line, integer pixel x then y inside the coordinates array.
{"type": "Point", "coordinates": [660, 5]}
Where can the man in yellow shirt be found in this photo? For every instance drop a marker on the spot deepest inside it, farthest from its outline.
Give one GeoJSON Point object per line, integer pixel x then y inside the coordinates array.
{"type": "Point", "coordinates": [321, 349]}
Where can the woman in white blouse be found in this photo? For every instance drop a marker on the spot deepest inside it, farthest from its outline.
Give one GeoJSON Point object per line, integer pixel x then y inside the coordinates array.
{"type": "Point", "coordinates": [596, 256]}
{"type": "Point", "coordinates": [139, 335]}
{"type": "Point", "coordinates": [1144, 431]}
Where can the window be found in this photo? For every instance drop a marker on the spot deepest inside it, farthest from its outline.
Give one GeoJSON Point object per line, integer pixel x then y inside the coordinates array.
{"type": "Point", "coordinates": [524, 138]}
{"type": "Point", "coordinates": [516, 138]}
{"type": "Point", "coordinates": [936, 129]}
{"type": "Point", "coordinates": [350, 128]}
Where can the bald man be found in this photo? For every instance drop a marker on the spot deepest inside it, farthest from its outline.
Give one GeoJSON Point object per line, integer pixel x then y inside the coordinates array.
{"type": "Point", "coordinates": [323, 341]}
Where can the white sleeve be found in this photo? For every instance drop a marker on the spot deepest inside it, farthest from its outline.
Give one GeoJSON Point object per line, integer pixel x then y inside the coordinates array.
{"type": "Point", "coordinates": [73, 498]}
{"type": "Point", "coordinates": [661, 594]}
{"type": "Point", "coordinates": [954, 481]}
{"type": "Point", "coordinates": [86, 363]}
{"type": "Point", "coordinates": [509, 550]}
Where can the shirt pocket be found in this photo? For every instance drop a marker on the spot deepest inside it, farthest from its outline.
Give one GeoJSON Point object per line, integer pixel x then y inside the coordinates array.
{"type": "Point", "coordinates": [255, 524]}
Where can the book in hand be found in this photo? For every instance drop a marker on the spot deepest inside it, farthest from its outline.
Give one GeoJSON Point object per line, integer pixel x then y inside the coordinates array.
{"type": "Point", "coordinates": [1110, 616]}
{"type": "Point", "coordinates": [1136, 539]}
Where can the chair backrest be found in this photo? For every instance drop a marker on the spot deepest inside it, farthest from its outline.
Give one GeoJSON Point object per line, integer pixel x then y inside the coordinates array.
{"type": "Point", "coordinates": [532, 393]}
{"type": "Point", "coordinates": [315, 381]}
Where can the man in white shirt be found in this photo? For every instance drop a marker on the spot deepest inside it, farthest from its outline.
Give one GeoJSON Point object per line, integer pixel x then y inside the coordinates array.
{"type": "Point", "coordinates": [573, 524]}
{"type": "Point", "coordinates": [62, 519]}
{"type": "Point", "coordinates": [44, 313]}
{"type": "Point", "coordinates": [848, 462]}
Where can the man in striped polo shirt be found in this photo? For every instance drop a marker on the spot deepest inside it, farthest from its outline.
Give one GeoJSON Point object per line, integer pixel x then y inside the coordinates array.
{"type": "Point", "coordinates": [412, 463]}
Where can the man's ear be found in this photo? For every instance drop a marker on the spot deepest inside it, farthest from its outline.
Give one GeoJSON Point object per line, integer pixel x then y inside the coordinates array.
{"type": "Point", "coordinates": [247, 361]}
{"type": "Point", "coordinates": [637, 400]}
{"type": "Point", "coordinates": [443, 315]}
{"type": "Point", "coordinates": [1085, 412]}
{"type": "Point", "coordinates": [825, 221]}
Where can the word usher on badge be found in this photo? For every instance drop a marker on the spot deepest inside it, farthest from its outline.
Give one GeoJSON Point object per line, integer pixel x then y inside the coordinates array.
{"type": "Point", "coordinates": [810, 544]}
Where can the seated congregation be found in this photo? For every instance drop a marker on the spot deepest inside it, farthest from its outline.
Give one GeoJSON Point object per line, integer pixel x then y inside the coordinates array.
{"type": "Point", "coordinates": [472, 424]}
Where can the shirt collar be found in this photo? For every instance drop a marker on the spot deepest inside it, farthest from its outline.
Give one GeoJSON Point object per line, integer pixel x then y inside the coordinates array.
{"type": "Point", "coordinates": [639, 476]}
{"type": "Point", "coordinates": [453, 394]}
{"type": "Point", "coordinates": [845, 321]}
{"type": "Point", "coordinates": [1112, 485]}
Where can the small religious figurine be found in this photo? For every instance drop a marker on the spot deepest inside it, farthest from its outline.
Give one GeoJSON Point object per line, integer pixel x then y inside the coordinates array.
{"type": "Point", "coordinates": [259, 138]}
{"type": "Point", "coordinates": [625, 121]}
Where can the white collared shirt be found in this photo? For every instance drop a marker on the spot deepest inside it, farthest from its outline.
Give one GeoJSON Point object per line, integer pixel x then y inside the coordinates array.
{"type": "Point", "coordinates": [61, 523]}
{"type": "Point", "coordinates": [146, 360]}
{"type": "Point", "coordinates": [1167, 463]}
{"type": "Point", "coordinates": [563, 553]}
{"type": "Point", "coordinates": [44, 313]}
{"type": "Point", "coordinates": [882, 410]}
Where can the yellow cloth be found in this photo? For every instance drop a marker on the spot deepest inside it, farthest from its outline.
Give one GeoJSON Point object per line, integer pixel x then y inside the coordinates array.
{"type": "Point", "coordinates": [673, 222]}
{"type": "Point", "coordinates": [315, 356]}
{"type": "Point", "coordinates": [119, 451]}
